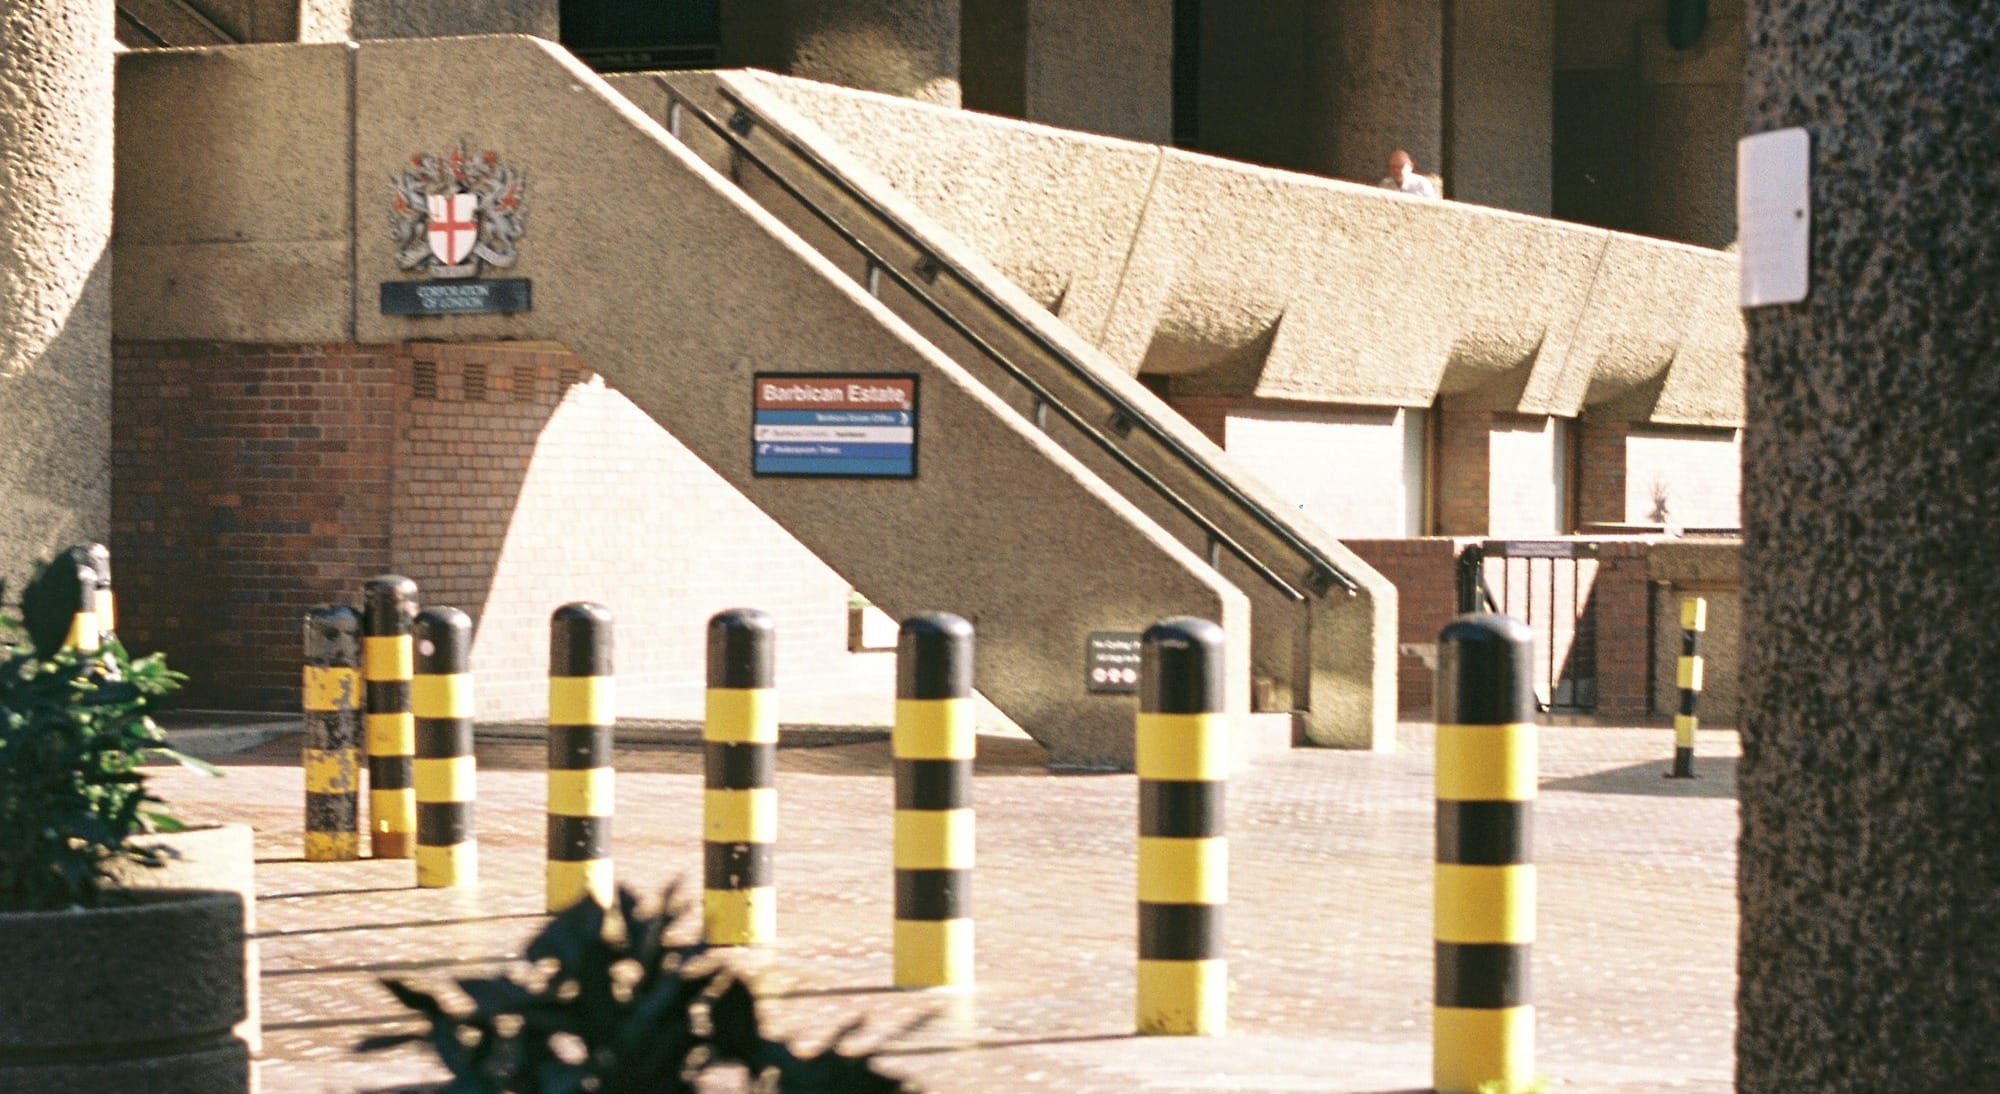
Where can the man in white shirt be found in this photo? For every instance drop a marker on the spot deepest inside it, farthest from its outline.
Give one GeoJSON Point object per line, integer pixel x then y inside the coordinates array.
{"type": "Point", "coordinates": [1403, 176]}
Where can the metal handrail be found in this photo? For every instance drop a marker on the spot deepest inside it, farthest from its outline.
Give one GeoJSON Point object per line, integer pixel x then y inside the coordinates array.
{"type": "Point", "coordinates": [1324, 572]}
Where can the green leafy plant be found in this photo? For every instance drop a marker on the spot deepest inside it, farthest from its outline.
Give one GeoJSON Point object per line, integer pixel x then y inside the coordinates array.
{"type": "Point", "coordinates": [74, 728]}
{"type": "Point", "coordinates": [619, 1011]}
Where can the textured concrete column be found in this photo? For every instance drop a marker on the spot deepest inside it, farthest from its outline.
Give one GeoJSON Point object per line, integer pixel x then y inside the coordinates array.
{"type": "Point", "coordinates": [1375, 81]}
{"type": "Point", "coordinates": [1499, 109]}
{"type": "Point", "coordinates": [55, 276]}
{"type": "Point", "coordinates": [446, 18]}
{"type": "Point", "coordinates": [1691, 99]}
{"type": "Point", "coordinates": [1104, 67]}
{"type": "Point", "coordinates": [1870, 855]}
{"type": "Point", "coordinates": [902, 47]}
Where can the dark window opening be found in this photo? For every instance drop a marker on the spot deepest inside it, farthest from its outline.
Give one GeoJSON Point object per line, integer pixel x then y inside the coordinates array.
{"type": "Point", "coordinates": [1187, 72]}
{"type": "Point", "coordinates": [635, 35]}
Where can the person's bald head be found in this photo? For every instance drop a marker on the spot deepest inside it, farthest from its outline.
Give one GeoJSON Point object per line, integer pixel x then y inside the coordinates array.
{"type": "Point", "coordinates": [1400, 164]}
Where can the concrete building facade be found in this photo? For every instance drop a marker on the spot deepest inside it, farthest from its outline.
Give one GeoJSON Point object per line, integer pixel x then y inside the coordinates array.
{"type": "Point", "coordinates": [1345, 363]}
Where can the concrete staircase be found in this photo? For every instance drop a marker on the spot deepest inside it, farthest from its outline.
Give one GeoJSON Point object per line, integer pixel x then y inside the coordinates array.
{"type": "Point", "coordinates": [676, 287]}
{"type": "Point", "coordinates": [1318, 613]}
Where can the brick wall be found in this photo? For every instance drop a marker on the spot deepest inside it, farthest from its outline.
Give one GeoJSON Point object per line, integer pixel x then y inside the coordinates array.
{"type": "Point", "coordinates": [250, 483]}
{"type": "Point", "coordinates": [1615, 586]}
{"type": "Point", "coordinates": [1423, 571]}
{"type": "Point", "coordinates": [528, 483]}
{"type": "Point", "coordinates": [1624, 630]}
{"type": "Point", "coordinates": [1462, 475]}
{"type": "Point", "coordinates": [1600, 471]}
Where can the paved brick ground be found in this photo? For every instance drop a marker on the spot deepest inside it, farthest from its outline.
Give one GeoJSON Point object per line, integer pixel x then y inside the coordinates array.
{"type": "Point", "coordinates": [1329, 925]}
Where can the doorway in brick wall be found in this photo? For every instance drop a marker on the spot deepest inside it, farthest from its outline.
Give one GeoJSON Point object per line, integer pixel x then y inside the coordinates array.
{"type": "Point", "coordinates": [1549, 584]}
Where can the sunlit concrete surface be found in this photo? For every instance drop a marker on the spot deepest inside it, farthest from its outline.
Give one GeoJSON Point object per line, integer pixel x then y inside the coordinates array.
{"type": "Point", "coordinates": [1329, 924]}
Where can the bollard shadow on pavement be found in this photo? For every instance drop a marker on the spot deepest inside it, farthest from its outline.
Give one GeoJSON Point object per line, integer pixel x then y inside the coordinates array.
{"type": "Point", "coordinates": [1714, 778]}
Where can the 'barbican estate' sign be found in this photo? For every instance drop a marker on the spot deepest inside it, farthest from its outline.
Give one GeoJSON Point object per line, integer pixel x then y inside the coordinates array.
{"type": "Point", "coordinates": [825, 425]}
{"type": "Point", "coordinates": [453, 217]}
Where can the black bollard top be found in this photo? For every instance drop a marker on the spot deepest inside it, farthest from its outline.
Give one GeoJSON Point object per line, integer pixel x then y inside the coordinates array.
{"type": "Point", "coordinates": [580, 640]}
{"type": "Point", "coordinates": [390, 606]}
{"type": "Point", "coordinates": [65, 588]}
{"type": "Point", "coordinates": [333, 637]}
{"type": "Point", "coordinates": [1485, 673]}
{"type": "Point", "coordinates": [934, 657]}
{"type": "Point", "coordinates": [742, 649]}
{"type": "Point", "coordinates": [444, 642]}
{"type": "Point", "coordinates": [1180, 667]}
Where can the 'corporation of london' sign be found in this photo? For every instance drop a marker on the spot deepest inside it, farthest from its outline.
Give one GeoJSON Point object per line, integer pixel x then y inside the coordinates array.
{"type": "Point", "coordinates": [453, 217]}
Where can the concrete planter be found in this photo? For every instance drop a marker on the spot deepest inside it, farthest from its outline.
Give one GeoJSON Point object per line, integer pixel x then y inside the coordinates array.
{"type": "Point", "coordinates": [217, 856]}
{"type": "Point", "coordinates": [135, 997]}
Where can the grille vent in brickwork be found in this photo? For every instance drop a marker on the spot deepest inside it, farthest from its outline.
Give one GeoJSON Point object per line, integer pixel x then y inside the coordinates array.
{"type": "Point", "coordinates": [524, 383]}
{"type": "Point", "coordinates": [424, 380]}
{"type": "Point", "coordinates": [571, 377]}
{"type": "Point", "coordinates": [475, 383]}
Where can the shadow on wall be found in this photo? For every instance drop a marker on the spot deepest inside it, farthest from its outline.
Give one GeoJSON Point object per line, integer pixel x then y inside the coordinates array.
{"type": "Point", "coordinates": [55, 468]}
{"type": "Point", "coordinates": [253, 482]}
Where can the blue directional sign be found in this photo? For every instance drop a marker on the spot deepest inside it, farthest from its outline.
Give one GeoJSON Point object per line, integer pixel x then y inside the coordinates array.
{"type": "Point", "coordinates": [834, 426]}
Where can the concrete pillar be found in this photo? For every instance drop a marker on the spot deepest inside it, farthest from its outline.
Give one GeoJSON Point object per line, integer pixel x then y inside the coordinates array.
{"type": "Point", "coordinates": [1499, 103]}
{"type": "Point", "coordinates": [1692, 102]}
{"type": "Point", "coordinates": [342, 20]}
{"type": "Point", "coordinates": [1375, 83]}
{"type": "Point", "coordinates": [55, 277]}
{"type": "Point", "coordinates": [1105, 67]}
{"type": "Point", "coordinates": [1253, 65]}
{"type": "Point", "coordinates": [901, 47]}
{"type": "Point", "coordinates": [1869, 875]}
{"type": "Point", "coordinates": [446, 18]}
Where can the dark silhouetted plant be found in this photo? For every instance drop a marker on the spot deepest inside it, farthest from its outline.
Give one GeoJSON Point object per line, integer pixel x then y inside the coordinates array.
{"type": "Point", "coordinates": [622, 1011]}
{"type": "Point", "coordinates": [74, 728]}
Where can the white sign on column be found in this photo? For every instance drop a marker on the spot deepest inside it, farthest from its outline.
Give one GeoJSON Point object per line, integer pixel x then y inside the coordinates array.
{"type": "Point", "coordinates": [1774, 215]}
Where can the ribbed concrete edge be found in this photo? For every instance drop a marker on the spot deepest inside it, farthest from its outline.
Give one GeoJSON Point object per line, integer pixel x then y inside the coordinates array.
{"type": "Point", "coordinates": [221, 856]}
{"type": "Point", "coordinates": [133, 997]}
{"type": "Point", "coordinates": [220, 1069]}
{"type": "Point", "coordinates": [212, 734]}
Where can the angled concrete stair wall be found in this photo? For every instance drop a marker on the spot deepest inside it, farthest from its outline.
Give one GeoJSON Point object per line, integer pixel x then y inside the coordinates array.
{"type": "Point", "coordinates": [674, 286]}
{"type": "Point", "coordinates": [1321, 619]}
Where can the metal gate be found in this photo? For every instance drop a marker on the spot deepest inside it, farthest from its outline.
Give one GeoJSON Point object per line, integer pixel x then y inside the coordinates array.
{"type": "Point", "coordinates": [1547, 583]}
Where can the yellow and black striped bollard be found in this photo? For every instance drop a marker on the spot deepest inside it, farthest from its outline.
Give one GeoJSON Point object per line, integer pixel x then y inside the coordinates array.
{"type": "Point", "coordinates": [933, 743]}
{"type": "Point", "coordinates": [1687, 677]}
{"type": "Point", "coordinates": [389, 611]}
{"type": "Point", "coordinates": [446, 780]}
{"type": "Point", "coordinates": [332, 760]}
{"type": "Point", "coordinates": [1182, 759]}
{"type": "Point", "coordinates": [85, 621]}
{"type": "Point", "coordinates": [582, 713]}
{"type": "Point", "coordinates": [107, 608]}
{"type": "Point", "coordinates": [740, 805]}
{"type": "Point", "coordinates": [1484, 1019]}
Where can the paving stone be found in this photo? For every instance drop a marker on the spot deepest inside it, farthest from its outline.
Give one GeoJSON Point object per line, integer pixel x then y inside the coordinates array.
{"type": "Point", "coordinates": [1329, 924]}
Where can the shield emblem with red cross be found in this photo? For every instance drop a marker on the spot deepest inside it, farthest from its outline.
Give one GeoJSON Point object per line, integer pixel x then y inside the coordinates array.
{"type": "Point", "coordinates": [452, 230]}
